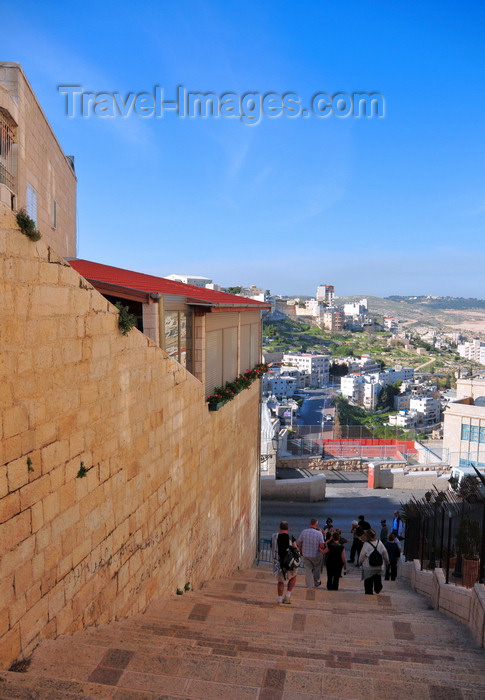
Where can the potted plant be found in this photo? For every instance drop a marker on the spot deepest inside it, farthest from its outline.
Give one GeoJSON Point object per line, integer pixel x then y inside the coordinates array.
{"type": "Point", "coordinates": [468, 541]}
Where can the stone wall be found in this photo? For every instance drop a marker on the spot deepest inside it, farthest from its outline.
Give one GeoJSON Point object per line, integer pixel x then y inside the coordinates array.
{"type": "Point", "coordinates": [169, 494]}
{"type": "Point", "coordinates": [464, 604]}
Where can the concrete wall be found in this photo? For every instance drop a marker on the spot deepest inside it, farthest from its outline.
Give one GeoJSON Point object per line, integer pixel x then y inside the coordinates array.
{"type": "Point", "coordinates": [170, 493]}
{"type": "Point", "coordinates": [403, 479]}
{"type": "Point", "coordinates": [467, 605]}
{"type": "Point", "coordinates": [41, 163]}
{"type": "Point", "coordinates": [305, 490]}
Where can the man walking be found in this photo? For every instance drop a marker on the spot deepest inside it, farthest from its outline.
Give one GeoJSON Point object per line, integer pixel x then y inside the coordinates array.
{"type": "Point", "coordinates": [397, 526]}
{"type": "Point", "coordinates": [310, 543]}
{"type": "Point", "coordinates": [279, 544]}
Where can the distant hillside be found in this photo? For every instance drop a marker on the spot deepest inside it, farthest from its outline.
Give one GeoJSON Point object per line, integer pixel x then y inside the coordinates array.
{"type": "Point", "coordinates": [458, 303]}
{"type": "Point", "coordinates": [438, 312]}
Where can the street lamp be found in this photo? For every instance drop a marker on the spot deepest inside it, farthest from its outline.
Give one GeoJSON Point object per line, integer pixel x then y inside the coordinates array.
{"type": "Point", "coordinates": [275, 441]}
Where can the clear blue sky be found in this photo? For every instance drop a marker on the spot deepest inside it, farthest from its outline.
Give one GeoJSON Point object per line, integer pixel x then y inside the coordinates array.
{"type": "Point", "coordinates": [392, 205]}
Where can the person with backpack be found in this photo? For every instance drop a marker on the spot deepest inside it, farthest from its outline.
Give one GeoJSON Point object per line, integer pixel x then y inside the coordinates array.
{"type": "Point", "coordinates": [286, 560]}
{"type": "Point", "coordinates": [372, 558]}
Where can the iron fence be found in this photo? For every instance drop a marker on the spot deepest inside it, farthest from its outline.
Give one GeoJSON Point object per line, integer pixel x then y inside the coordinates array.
{"type": "Point", "coordinates": [447, 529]}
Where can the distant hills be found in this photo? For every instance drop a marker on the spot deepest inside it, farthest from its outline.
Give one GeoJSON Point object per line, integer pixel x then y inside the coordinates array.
{"type": "Point", "coordinates": [437, 312]}
{"type": "Point", "coordinates": [441, 302]}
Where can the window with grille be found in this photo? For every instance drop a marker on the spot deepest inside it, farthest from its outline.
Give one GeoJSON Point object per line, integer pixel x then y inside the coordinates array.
{"type": "Point", "coordinates": [7, 155]}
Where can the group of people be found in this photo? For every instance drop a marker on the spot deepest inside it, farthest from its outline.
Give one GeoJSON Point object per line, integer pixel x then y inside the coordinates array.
{"type": "Point", "coordinates": [321, 547]}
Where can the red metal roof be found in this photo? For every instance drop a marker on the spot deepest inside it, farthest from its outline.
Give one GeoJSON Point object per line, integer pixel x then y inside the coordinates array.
{"type": "Point", "coordinates": [96, 272]}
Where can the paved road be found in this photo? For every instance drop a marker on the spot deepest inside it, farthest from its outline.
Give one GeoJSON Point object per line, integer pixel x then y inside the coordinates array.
{"type": "Point", "coordinates": [347, 497]}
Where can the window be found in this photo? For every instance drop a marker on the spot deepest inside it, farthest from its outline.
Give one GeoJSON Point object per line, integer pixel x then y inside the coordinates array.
{"type": "Point", "coordinates": [172, 333]}
{"type": "Point", "coordinates": [465, 432]}
{"type": "Point", "coordinates": [474, 433]}
{"type": "Point", "coordinates": [178, 336]}
{"type": "Point", "coordinates": [53, 213]}
{"type": "Point", "coordinates": [482, 435]}
{"type": "Point", "coordinates": [7, 153]}
{"type": "Point", "coordinates": [31, 203]}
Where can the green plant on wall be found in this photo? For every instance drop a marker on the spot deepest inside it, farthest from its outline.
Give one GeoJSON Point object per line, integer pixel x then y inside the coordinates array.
{"type": "Point", "coordinates": [126, 320]}
{"type": "Point", "coordinates": [27, 225]}
{"type": "Point", "coordinates": [82, 471]}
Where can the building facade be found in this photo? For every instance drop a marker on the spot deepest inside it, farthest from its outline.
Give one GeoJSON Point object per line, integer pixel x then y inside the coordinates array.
{"type": "Point", "coordinates": [317, 367]}
{"type": "Point", "coordinates": [35, 175]}
{"type": "Point", "coordinates": [464, 424]}
{"type": "Point", "coordinates": [326, 293]}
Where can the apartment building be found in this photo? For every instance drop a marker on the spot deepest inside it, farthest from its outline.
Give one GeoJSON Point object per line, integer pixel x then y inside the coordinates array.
{"type": "Point", "coordinates": [404, 419]}
{"type": "Point", "coordinates": [282, 386]}
{"type": "Point", "coordinates": [389, 376]}
{"type": "Point", "coordinates": [427, 409]}
{"type": "Point", "coordinates": [317, 367]}
{"type": "Point", "coordinates": [332, 319]}
{"type": "Point", "coordinates": [357, 308]}
{"type": "Point", "coordinates": [464, 423]}
{"type": "Point", "coordinates": [326, 293]}
{"type": "Point", "coordinates": [473, 350]}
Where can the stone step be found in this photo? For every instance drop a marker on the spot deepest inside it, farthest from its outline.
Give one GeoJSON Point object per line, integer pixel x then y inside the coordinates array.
{"type": "Point", "coordinates": [230, 640]}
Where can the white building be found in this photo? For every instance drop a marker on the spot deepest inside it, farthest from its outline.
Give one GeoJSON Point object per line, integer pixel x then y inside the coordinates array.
{"type": "Point", "coordinates": [357, 308]}
{"type": "Point", "coordinates": [317, 367]}
{"type": "Point", "coordinates": [372, 389]}
{"type": "Point", "coordinates": [403, 419]}
{"type": "Point", "coordinates": [403, 374]}
{"type": "Point", "coordinates": [195, 280]}
{"type": "Point", "coordinates": [282, 387]}
{"type": "Point", "coordinates": [351, 387]}
{"type": "Point", "coordinates": [312, 307]}
{"type": "Point", "coordinates": [427, 409]}
{"type": "Point", "coordinates": [473, 350]}
{"type": "Point", "coordinates": [326, 293]}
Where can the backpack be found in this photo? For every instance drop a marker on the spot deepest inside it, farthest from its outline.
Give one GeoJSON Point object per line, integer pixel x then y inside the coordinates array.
{"type": "Point", "coordinates": [375, 557]}
{"type": "Point", "coordinates": [292, 558]}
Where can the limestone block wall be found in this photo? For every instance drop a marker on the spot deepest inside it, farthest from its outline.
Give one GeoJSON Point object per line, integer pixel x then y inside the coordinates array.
{"type": "Point", "coordinates": [169, 494]}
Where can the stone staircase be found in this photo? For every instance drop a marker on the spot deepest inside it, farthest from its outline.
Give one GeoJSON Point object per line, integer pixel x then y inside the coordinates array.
{"type": "Point", "coordinates": [231, 641]}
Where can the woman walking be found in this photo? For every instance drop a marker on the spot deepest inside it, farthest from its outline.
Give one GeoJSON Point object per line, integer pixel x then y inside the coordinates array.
{"type": "Point", "coordinates": [372, 558]}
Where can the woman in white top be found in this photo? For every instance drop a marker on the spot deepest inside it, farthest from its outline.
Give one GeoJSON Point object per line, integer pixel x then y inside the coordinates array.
{"type": "Point", "coordinates": [372, 572]}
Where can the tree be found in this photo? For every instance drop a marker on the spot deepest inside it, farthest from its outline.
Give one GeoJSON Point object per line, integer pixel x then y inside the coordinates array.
{"type": "Point", "coordinates": [234, 290]}
{"type": "Point", "coordinates": [338, 369]}
{"type": "Point", "coordinates": [386, 397]}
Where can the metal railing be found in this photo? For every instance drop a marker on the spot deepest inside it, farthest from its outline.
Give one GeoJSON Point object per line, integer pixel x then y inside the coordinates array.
{"type": "Point", "coordinates": [446, 529]}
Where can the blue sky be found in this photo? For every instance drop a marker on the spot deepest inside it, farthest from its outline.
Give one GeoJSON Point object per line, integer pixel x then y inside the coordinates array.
{"type": "Point", "coordinates": [392, 205]}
